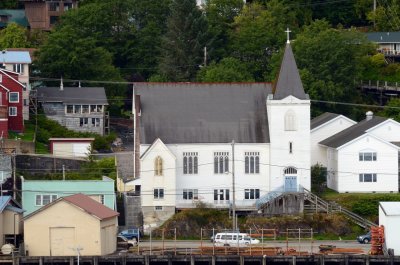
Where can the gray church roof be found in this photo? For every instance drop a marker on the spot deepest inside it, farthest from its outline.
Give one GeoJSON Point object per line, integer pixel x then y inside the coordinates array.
{"type": "Point", "coordinates": [73, 95]}
{"type": "Point", "coordinates": [352, 132]}
{"type": "Point", "coordinates": [323, 118]}
{"type": "Point", "coordinates": [289, 82]}
{"type": "Point", "coordinates": [203, 112]}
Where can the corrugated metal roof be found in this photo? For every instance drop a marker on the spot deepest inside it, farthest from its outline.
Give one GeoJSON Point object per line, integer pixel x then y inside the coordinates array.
{"type": "Point", "coordinates": [323, 118]}
{"type": "Point", "coordinates": [91, 206]}
{"type": "Point", "coordinates": [4, 200]}
{"type": "Point", "coordinates": [203, 112]}
{"type": "Point", "coordinates": [73, 95]}
{"type": "Point", "coordinates": [15, 57]}
{"type": "Point", "coordinates": [289, 82]}
{"type": "Point", "coordinates": [390, 208]}
{"type": "Point", "coordinates": [352, 132]}
{"type": "Point", "coordinates": [384, 37]}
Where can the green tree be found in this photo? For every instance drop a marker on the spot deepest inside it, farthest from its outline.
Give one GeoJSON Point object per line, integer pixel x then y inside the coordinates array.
{"type": "Point", "coordinates": [68, 55]}
{"type": "Point", "coordinates": [392, 109]}
{"type": "Point", "coordinates": [182, 46]}
{"type": "Point", "coordinates": [8, 4]}
{"type": "Point", "coordinates": [258, 32]}
{"type": "Point", "coordinates": [330, 60]}
{"type": "Point", "coordinates": [220, 15]}
{"type": "Point", "coordinates": [386, 17]}
{"type": "Point", "coordinates": [227, 70]}
{"type": "Point", "coordinates": [13, 36]}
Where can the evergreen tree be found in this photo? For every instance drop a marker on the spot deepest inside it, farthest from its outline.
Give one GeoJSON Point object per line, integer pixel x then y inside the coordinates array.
{"type": "Point", "coordinates": [183, 44]}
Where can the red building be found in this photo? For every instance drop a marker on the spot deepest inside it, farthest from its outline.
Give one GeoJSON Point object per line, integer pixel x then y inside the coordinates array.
{"type": "Point", "coordinates": [11, 103]}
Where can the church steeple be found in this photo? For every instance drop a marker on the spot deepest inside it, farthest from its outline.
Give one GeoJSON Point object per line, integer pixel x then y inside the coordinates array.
{"type": "Point", "coordinates": [289, 82]}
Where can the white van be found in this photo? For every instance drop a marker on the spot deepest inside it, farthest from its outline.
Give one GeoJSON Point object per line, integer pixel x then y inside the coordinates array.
{"type": "Point", "coordinates": [233, 239]}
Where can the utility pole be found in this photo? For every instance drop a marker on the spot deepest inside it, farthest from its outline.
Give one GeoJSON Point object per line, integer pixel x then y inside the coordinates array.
{"type": "Point", "coordinates": [233, 188]}
{"type": "Point", "coordinates": [14, 175]}
{"type": "Point", "coordinates": [205, 56]}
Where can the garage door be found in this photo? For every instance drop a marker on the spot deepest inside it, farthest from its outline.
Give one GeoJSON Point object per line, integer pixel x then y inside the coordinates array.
{"type": "Point", "coordinates": [81, 149]}
{"type": "Point", "coordinates": [62, 240]}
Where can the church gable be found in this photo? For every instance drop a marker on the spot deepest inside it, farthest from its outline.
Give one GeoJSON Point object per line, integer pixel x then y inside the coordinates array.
{"type": "Point", "coordinates": [157, 148]}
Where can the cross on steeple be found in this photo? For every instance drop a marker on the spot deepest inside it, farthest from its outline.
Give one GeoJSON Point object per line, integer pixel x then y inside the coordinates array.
{"type": "Point", "coordinates": [288, 37]}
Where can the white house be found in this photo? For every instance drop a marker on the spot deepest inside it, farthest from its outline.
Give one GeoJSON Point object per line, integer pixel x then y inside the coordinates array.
{"type": "Point", "coordinates": [220, 143]}
{"type": "Point", "coordinates": [389, 218]}
{"type": "Point", "coordinates": [364, 157]}
{"type": "Point", "coordinates": [322, 127]}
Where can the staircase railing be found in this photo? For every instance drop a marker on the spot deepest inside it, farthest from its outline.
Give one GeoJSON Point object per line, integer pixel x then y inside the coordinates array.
{"type": "Point", "coordinates": [269, 196]}
{"type": "Point", "coordinates": [329, 207]}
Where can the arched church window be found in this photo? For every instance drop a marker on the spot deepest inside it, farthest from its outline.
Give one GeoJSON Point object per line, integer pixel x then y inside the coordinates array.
{"type": "Point", "coordinates": [290, 121]}
{"type": "Point", "coordinates": [290, 171]}
{"type": "Point", "coordinates": [158, 166]}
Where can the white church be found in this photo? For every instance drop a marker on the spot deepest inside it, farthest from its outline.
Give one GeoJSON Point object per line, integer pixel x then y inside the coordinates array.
{"type": "Point", "coordinates": [230, 144]}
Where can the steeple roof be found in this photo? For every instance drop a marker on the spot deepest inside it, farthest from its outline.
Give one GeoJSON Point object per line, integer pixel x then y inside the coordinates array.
{"type": "Point", "coordinates": [289, 82]}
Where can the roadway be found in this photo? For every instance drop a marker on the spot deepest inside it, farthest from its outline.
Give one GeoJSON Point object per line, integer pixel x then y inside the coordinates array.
{"type": "Point", "coordinates": [304, 245]}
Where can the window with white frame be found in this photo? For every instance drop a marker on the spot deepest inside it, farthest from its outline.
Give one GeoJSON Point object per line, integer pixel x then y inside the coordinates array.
{"type": "Point", "coordinates": [190, 194]}
{"type": "Point", "coordinates": [251, 194]}
{"type": "Point", "coordinates": [43, 199]}
{"type": "Point", "coordinates": [221, 195]}
{"type": "Point", "coordinates": [12, 111]}
{"type": "Point", "coordinates": [290, 121]}
{"type": "Point", "coordinates": [190, 162]}
{"type": "Point", "coordinates": [158, 194]}
{"type": "Point", "coordinates": [367, 156]}
{"type": "Point", "coordinates": [252, 162]}
{"type": "Point", "coordinates": [368, 177]}
{"type": "Point", "coordinates": [158, 166]}
{"type": "Point", "coordinates": [85, 108]}
{"type": "Point", "coordinates": [83, 122]}
{"type": "Point", "coordinates": [18, 68]}
{"type": "Point", "coordinates": [77, 109]}
{"type": "Point", "coordinates": [70, 109]}
{"type": "Point", "coordinates": [221, 162]}
{"type": "Point", "coordinates": [95, 122]}
{"type": "Point", "coordinates": [158, 208]}
{"type": "Point", "coordinates": [14, 97]}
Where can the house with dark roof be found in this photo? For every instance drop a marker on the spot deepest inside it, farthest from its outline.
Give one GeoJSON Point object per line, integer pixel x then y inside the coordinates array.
{"type": "Point", "coordinates": [388, 42]}
{"type": "Point", "coordinates": [10, 220]}
{"type": "Point", "coordinates": [70, 224]}
{"type": "Point", "coordinates": [322, 127]}
{"type": "Point", "coordinates": [192, 139]}
{"type": "Point", "coordinates": [81, 109]}
{"type": "Point", "coordinates": [364, 157]}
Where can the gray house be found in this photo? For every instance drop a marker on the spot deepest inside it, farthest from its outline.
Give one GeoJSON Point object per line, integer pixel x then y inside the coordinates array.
{"type": "Point", "coordinates": [80, 109]}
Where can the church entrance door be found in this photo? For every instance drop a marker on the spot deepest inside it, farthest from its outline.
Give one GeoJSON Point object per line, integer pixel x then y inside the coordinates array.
{"type": "Point", "coordinates": [290, 183]}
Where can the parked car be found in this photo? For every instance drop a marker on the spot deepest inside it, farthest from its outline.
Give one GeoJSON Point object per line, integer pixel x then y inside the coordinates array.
{"type": "Point", "coordinates": [226, 231]}
{"type": "Point", "coordinates": [124, 243]}
{"type": "Point", "coordinates": [364, 239]}
{"type": "Point", "coordinates": [232, 239]}
{"type": "Point", "coordinates": [131, 233]}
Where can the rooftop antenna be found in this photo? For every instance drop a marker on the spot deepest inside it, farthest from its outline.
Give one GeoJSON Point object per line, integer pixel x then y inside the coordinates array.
{"type": "Point", "coordinates": [61, 84]}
